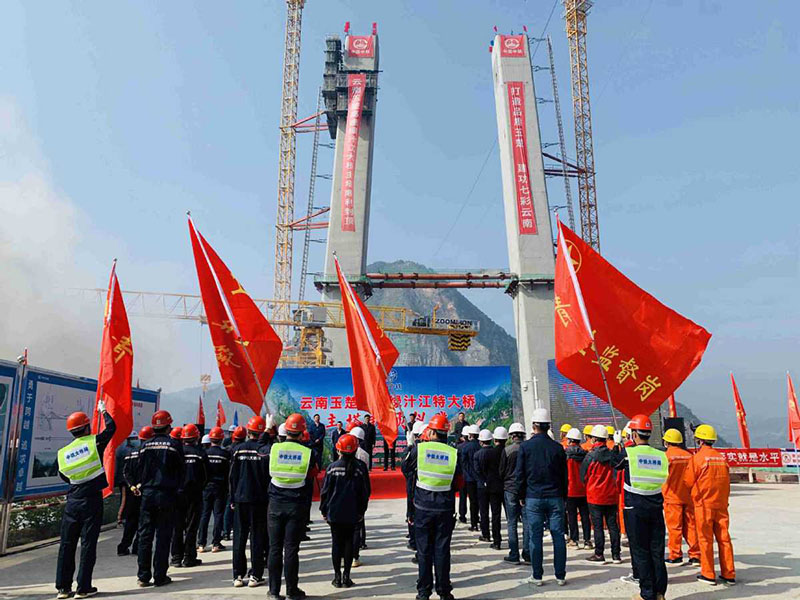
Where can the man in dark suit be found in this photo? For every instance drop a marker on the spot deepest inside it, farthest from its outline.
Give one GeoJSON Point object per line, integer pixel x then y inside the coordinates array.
{"type": "Point", "coordinates": [370, 436]}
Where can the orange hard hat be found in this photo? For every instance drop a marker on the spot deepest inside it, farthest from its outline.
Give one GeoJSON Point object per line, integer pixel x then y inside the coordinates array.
{"type": "Point", "coordinates": [305, 436]}
{"type": "Point", "coordinates": [239, 433]}
{"type": "Point", "coordinates": [176, 433]}
{"type": "Point", "coordinates": [146, 433]}
{"type": "Point", "coordinates": [439, 423]}
{"type": "Point", "coordinates": [353, 424]}
{"type": "Point", "coordinates": [77, 420]}
{"type": "Point", "coordinates": [295, 423]}
{"type": "Point", "coordinates": [216, 434]}
{"type": "Point", "coordinates": [190, 432]}
{"type": "Point", "coordinates": [256, 424]}
{"type": "Point", "coordinates": [161, 418]}
{"type": "Point", "coordinates": [641, 423]}
{"type": "Point", "coordinates": [347, 444]}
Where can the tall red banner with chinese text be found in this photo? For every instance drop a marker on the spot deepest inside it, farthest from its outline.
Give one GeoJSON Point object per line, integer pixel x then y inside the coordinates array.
{"type": "Point", "coordinates": [526, 219]}
{"type": "Point", "coordinates": [673, 410]}
{"type": "Point", "coordinates": [645, 348]}
{"type": "Point", "coordinates": [201, 414]}
{"type": "Point", "coordinates": [115, 376]}
{"type": "Point", "coordinates": [372, 356]}
{"type": "Point", "coordinates": [794, 412]}
{"type": "Point", "coordinates": [356, 82]}
{"type": "Point", "coordinates": [221, 418]}
{"type": "Point", "coordinates": [741, 415]}
{"type": "Point", "coordinates": [246, 347]}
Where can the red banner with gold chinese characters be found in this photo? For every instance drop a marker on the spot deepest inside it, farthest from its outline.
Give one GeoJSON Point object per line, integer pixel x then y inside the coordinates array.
{"type": "Point", "coordinates": [356, 82]}
{"type": "Point", "coordinates": [519, 158]}
{"type": "Point", "coordinates": [752, 457]}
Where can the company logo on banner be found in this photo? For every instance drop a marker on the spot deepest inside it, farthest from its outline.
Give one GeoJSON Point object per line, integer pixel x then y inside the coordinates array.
{"type": "Point", "coordinates": [752, 457]}
{"type": "Point", "coordinates": [790, 458]}
{"type": "Point", "coordinates": [355, 102]}
{"type": "Point", "coordinates": [519, 155]}
{"type": "Point", "coordinates": [360, 46]}
{"type": "Point", "coordinates": [512, 46]}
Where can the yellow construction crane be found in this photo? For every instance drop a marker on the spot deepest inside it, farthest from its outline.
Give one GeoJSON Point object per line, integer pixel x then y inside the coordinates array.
{"type": "Point", "coordinates": [575, 16]}
{"type": "Point", "coordinates": [287, 154]}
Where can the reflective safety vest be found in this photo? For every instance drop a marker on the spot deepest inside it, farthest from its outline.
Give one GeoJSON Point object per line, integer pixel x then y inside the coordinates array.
{"type": "Point", "coordinates": [436, 466]}
{"type": "Point", "coordinates": [79, 460]}
{"type": "Point", "coordinates": [288, 465]}
{"type": "Point", "coordinates": [649, 469]}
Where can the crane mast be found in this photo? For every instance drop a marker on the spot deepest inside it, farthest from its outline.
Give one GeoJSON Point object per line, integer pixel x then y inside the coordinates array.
{"type": "Point", "coordinates": [562, 145]}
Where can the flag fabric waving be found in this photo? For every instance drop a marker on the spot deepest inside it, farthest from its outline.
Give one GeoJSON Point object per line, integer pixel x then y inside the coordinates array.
{"type": "Point", "coordinates": [741, 415]}
{"type": "Point", "coordinates": [221, 419]}
{"type": "Point", "coordinates": [201, 413]}
{"type": "Point", "coordinates": [645, 348]}
{"type": "Point", "coordinates": [372, 356]}
{"type": "Point", "coordinates": [246, 347]}
{"type": "Point", "coordinates": [794, 412]}
{"type": "Point", "coordinates": [115, 376]}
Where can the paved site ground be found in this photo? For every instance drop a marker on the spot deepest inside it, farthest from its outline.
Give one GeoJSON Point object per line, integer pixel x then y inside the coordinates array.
{"type": "Point", "coordinates": [765, 529]}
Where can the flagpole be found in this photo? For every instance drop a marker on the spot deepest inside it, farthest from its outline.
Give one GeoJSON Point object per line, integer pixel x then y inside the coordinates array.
{"type": "Point", "coordinates": [230, 314]}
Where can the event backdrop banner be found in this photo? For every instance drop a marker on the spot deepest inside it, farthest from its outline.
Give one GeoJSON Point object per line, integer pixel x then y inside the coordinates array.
{"type": "Point", "coordinates": [483, 393]}
{"type": "Point", "coordinates": [48, 399]}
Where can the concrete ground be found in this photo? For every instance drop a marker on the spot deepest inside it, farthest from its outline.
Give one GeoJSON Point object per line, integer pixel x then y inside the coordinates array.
{"type": "Point", "coordinates": [765, 529]}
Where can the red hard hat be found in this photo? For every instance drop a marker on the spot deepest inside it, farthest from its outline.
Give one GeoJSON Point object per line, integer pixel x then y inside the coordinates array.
{"type": "Point", "coordinates": [146, 433]}
{"type": "Point", "coordinates": [216, 434]}
{"type": "Point", "coordinates": [295, 423]}
{"type": "Point", "coordinates": [347, 444]}
{"type": "Point", "coordinates": [641, 423]}
{"type": "Point", "coordinates": [176, 433]}
{"type": "Point", "coordinates": [439, 423]}
{"type": "Point", "coordinates": [352, 425]}
{"type": "Point", "coordinates": [190, 432]}
{"type": "Point", "coordinates": [239, 433]}
{"type": "Point", "coordinates": [305, 436]}
{"type": "Point", "coordinates": [77, 420]}
{"type": "Point", "coordinates": [161, 418]}
{"type": "Point", "coordinates": [256, 424]}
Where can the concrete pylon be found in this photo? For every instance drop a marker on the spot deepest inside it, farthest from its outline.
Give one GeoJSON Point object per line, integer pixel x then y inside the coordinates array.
{"type": "Point", "coordinates": [528, 230]}
{"type": "Point", "coordinates": [350, 82]}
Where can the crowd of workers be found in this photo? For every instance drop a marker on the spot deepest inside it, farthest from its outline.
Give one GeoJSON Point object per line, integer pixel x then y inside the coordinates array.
{"type": "Point", "coordinates": [259, 482]}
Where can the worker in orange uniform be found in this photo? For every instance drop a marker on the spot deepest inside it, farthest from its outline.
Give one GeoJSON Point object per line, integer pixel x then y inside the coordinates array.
{"type": "Point", "coordinates": [587, 436]}
{"type": "Point", "coordinates": [709, 479]}
{"type": "Point", "coordinates": [564, 431]}
{"type": "Point", "coordinates": [678, 508]}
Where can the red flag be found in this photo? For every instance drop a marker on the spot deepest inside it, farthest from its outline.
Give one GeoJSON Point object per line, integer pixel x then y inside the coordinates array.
{"type": "Point", "coordinates": [372, 356]}
{"type": "Point", "coordinates": [645, 349]}
{"type": "Point", "coordinates": [741, 415]}
{"type": "Point", "coordinates": [220, 414]}
{"type": "Point", "coordinates": [201, 414]}
{"type": "Point", "coordinates": [794, 412]}
{"type": "Point", "coordinates": [245, 345]}
{"type": "Point", "coordinates": [116, 374]}
{"type": "Point", "coordinates": [673, 410]}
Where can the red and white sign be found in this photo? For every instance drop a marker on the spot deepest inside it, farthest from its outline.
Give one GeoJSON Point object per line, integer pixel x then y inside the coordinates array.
{"type": "Point", "coordinates": [512, 46]}
{"type": "Point", "coordinates": [360, 46]}
{"type": "Point", "coordinates": [752, 457]}
{"type": "Point", "coordinates": [526, 219]}
{"type": "Point", "coordinates": [790, 458]}
{"type": "Point", "coordinates": [356, 82]}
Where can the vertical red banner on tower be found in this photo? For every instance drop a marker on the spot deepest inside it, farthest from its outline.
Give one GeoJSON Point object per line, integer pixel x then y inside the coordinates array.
{"type": "Point", "coordinates": [526, 219]}
{"type": "Point", "coordinates": [356, 82]}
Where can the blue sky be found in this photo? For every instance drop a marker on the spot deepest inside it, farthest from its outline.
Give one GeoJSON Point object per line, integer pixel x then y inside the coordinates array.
{"type": "Point", "coordinates": [126, 114]}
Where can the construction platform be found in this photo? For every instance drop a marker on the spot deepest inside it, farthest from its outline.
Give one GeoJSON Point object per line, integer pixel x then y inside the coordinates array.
{"type": "Point", "coordinates": [764, 525]}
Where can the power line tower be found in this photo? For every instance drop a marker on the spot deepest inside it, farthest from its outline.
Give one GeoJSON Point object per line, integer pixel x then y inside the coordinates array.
{"type": "Point", "coordinates": [286, 153]}
{"type": "Point", "coordinates": [575, 16]}
{"type": "Point", "coordinates": [562, 145]}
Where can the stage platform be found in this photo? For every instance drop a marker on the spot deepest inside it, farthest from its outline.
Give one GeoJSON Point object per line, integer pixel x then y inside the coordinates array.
{"type": "Point", "coordinates": [386, 485]}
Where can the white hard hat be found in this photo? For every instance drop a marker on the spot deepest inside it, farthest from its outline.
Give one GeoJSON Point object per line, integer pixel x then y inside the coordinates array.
{"type": "Point", "coordinates": [418, 427]}
{"type": "Point", "coordinates": [473, 429]}
{"type": "Point", "coordinates": [516, 428]}
{"type": "Point", "coordinates": [550, 434]}
{"type": "Point", "coordinates": [282, 429]}
{"type": "Point", "coordinates": [574, 434]}
{"type": "Point", "coordinates": [358, 432]}
{"type": "Point", "coordinates": [540, 415]}
{"type": "Point", "coordinates": [485, 435]}
{"type": "Point", "coordinates": [500, 433]}
{"type": "Point", "coordinates": [599, 431]}
{"type": "Point", "coordinates": [232, 428]}
{"type": "Point", "coordinates": [205, 440]}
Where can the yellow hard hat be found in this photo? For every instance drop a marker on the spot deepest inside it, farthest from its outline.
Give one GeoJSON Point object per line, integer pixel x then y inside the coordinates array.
{"type": "Point", "coordinates": [673, 436]}
{"type": "Point", "coordinates": [587, 430]}
{"type": "Point", "coordinates": [705, 432]}
{"type": "Point", "coordinates": [565, 428]}
{"type": "Point", "coordinates": [610, 430]}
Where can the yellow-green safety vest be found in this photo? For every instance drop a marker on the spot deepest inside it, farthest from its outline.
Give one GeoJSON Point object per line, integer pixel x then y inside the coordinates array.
{"type": "Point", "coordinates": [436, 466]}
{"type": "Point", "coordinates": [648, 468]}
{"type": "Point", "coordinates": [288, 465]}
{"type": "Point", "coordinates": [79, 461]}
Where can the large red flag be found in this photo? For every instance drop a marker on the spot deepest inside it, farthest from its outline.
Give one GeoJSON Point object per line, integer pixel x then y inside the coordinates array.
{"type": "Point", "coordinates": [794, 412]}
{"type": "Point", "coordinates": [372, 356]}
{"type": "Point", "coordinates": [741, 415]}
{"type": "Point", "coordinates": [245, 345]}
{"type": "Point", "coordinates": [201, 414]}
{"type": "Point", "coordinates": [221, 419]}
{"type": "Point", "coordinates": [645, 349]}
{"type": "Point", "coordinates": [116, 374]}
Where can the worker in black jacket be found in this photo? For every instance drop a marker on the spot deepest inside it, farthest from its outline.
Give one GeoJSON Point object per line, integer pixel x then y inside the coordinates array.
{"type": "Point", "coordinates": [490, 485]}
{"type": "Point", "coordinates": [465, 459]}
{"type": "Point", "coordinates": [238, 436]}
{"type": "Point", "coordinates": [216, 491]}
{"type": "Point", "coordinates": [343, 502]}
{"type": "Point", "coordinates": [409, 470]}
{"type": "Point", "coordinates": [80, 464]}
{"type": "Point", "coordinates": [160, 473]}
{"type": "Point", "coordinates": [249, 481]}
{"type": "Point", "coordinates": [370, 437]}
{"type": "Point", "coordinates": [514, 512]}
{"type": "Point", "coordinates": [190, 500]}
{"type": "Point", "coordinates": [133, 501]}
